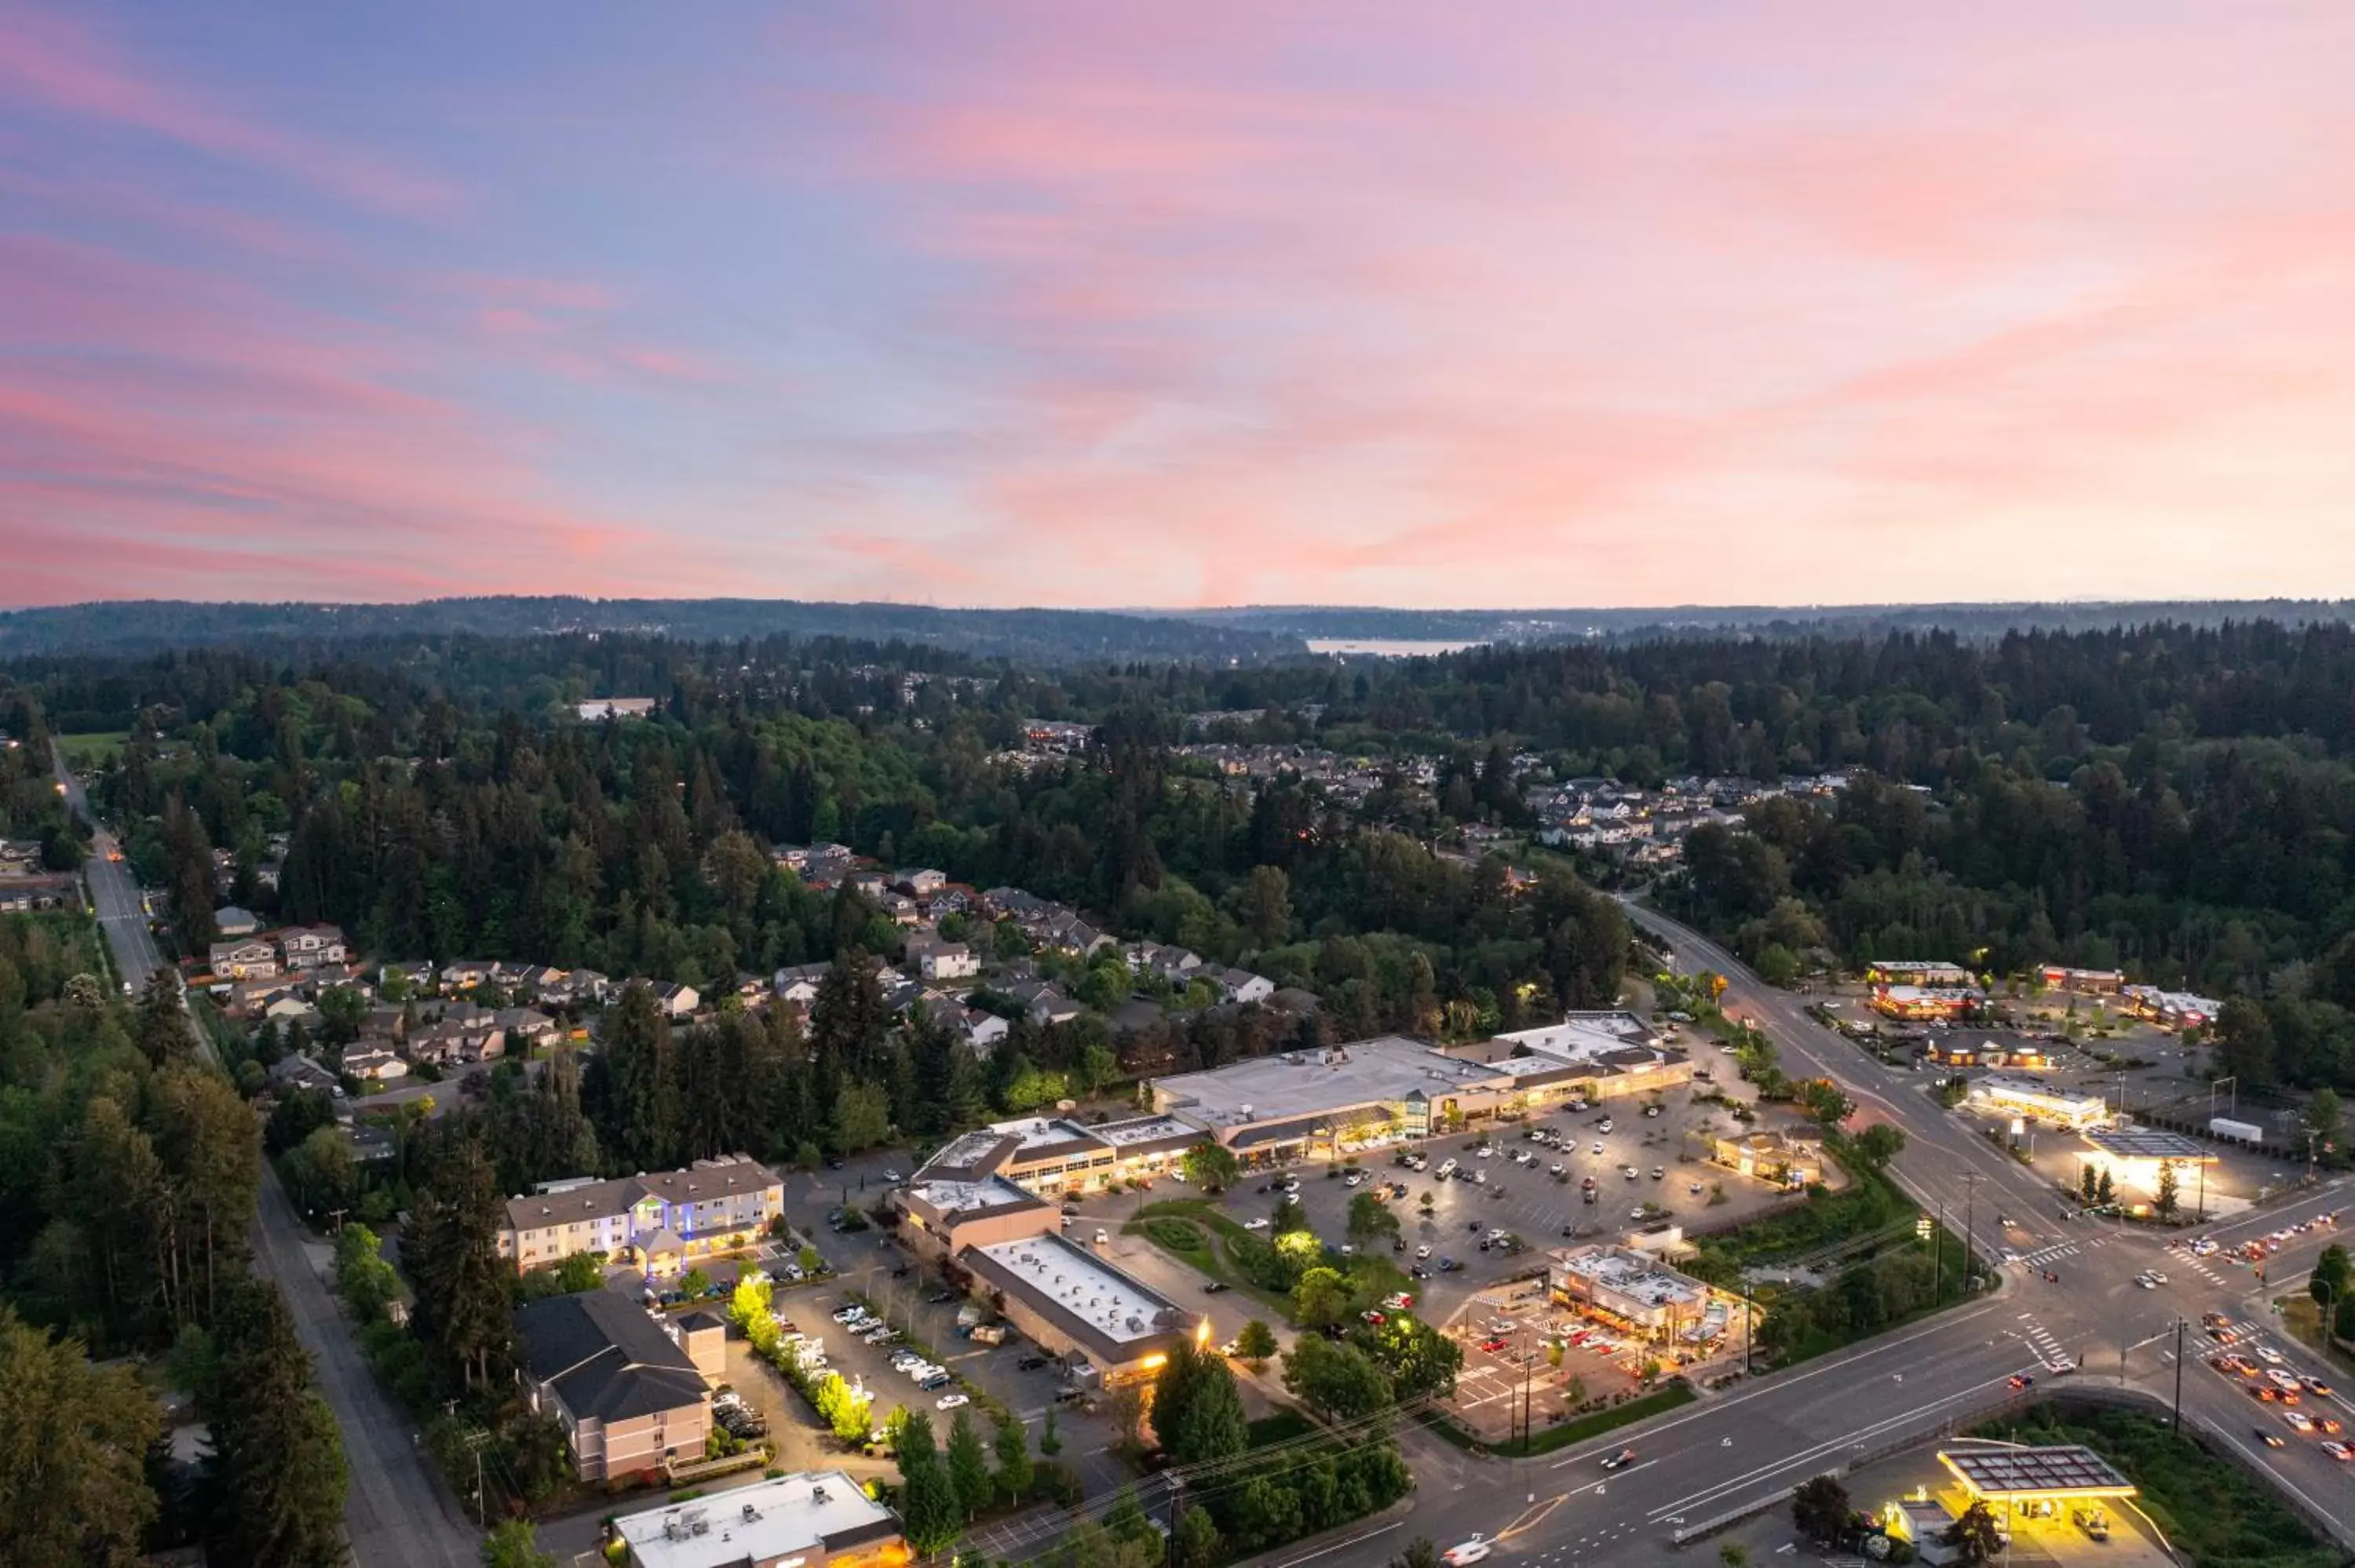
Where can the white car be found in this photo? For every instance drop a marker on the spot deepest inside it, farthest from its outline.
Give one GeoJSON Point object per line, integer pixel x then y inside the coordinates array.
{"type": "Point", "coordinates": [2270, 1356]}
{"type": "Point", "coordinates": [1472, 1551]}
{"type": "Point", "coordinates": [952, 1401]}
{"type": "Point", "coordinates": [1598, 1149]}
{"type": "Point", "coordinates": [2157, 1276]}
{"type": "Point", "coordinates": [2145, 1281]}
{"type": "Point", "coordinates": [1422, 1251]}
{"type": "Point", "coordinates": [1258, 1225]}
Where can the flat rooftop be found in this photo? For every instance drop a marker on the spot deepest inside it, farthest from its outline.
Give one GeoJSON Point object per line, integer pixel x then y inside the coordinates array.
{"type": "Point", "coordinates": [1298, 1084]}
{"type": "Point", "coordinates": [955, 1199]}
{"type": "Point", "coordinates": [2147, 1143]}
{"type": "Point", "coordinates": [1112, 1305]}
{"type": "Point", "coordinates": [2066, 1471]}
{"type": "Point", "coordinates": [1631, 1273]}
{"type": "Point", "coordinates": [813, 1509]}
{"type": "Point", "coordinates": [1128, 1133]}
{"type": "Point", "coordinates": [1583, 1036]}
{"type": "Point", "coordinates": [1996, 1083]}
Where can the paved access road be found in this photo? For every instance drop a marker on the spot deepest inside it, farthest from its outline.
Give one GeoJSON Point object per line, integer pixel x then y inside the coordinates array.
{"type": "Point", "coordinates": [1760, 1438]}
{"type": "Point", "coordinates": [396, 1513]}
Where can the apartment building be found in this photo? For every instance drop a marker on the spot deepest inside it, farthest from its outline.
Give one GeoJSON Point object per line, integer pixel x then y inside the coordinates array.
{"type": "Point", "coordinates": [661, 1222]}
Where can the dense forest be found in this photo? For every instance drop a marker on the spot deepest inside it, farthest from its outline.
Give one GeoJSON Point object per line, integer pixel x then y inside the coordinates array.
{"type": "Point", "coordinates": [129, 1171]}
{"type": "Point", "coordinates": [1038, 636]}
{"type": "Point", "coordinates": [2174, 798]}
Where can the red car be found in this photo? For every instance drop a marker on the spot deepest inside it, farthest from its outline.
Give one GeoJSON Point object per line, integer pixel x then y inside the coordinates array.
{"type": "Point", "coordinates": [1492, 1345]}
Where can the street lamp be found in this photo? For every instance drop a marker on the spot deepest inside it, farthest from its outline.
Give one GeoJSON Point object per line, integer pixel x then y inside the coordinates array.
{"type": "Point", "coordinates": [2234, 1079]}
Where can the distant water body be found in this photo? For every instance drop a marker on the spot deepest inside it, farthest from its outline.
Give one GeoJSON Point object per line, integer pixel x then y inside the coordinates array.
{"type": "Point", "coordinates": [1384, 647]}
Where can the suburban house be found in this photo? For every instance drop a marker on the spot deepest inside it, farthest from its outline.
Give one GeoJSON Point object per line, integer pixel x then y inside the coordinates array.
{"type": "Point", "coordinates": [311, 946]}
{"type": "Point", "coordinates": [935, 960]}
{"type": "Point", "coordinates": [629, 1397]}
{"type": "Point", "coordinates": [677, 1000]}
{"type": "Point", "coordinates": [232, 922]}
{"type": "Point", "coordinates": [467, 1036]}
{"type": "Point", "coordinates": [981, 1031]}
{"type": "Point", "coordinates": [1044, 1002]}
{"type": "Point", "coordinates": [1242, 985]}
{"type": "Point", "coordinates": [373, 1063]}
{"type": "Point", "coordinates": [465, 974]}
{"type": "Point", "coordinates": [811, 1519]}
{"type": "Point", "coordinates": [923, 882]}
{"type": "Point", "coordinates": [296, 1072]}
{"type": "Point", "coordinates": [245, 959]}
{"type": "Point", "coordinates": [658, 1222]}
{"type": "Point", "coordinates": [525, 1029]}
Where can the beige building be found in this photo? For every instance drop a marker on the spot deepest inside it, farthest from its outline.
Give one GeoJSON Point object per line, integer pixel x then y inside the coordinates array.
{"type": "Point", "coordinates": [1631, 1290]}
{"type": "Point", "coordinates": [627, 1392]}
{"type": "Point", "coordinates": [1318, 1104]}
{"type": "Point", "coordinates": [1771, 1155]}
{"type": "Point", "coordinates": [1070, 1302]}
{"type": "Point", "coordinates": [940, 1218]}
{"type": "Point", "coordinates": [1055, 1154]}
{"type": "Point", "coordinates": [661, 1223]}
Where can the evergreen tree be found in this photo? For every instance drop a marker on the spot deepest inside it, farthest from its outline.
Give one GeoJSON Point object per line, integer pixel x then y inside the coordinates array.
{"type": "Point", "coordinates": [461, 1281]}
{"type": "Point", "coordinates": [163, 1030]}
{"type": "Point", "coordinates": [73, 1482]}
{"type": "Point", "coordinates": [1015, 1471]}
{"type": "Point", "coordinates": [967, 1459]}
{"type": "Point", "coordinates": [639, 1081]}
{"type": "Point", "coordinates": [930, 1511]}
{"type": "Point", "coordinates": [2170, 1191]}
{"type": "Point", "coordinates": [277, 1477]}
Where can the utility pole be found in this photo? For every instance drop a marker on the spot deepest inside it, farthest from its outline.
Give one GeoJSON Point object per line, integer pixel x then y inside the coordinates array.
{"type": "Point", "coordinates": [1938, 1256]}
{"type": "Point", "coordinates": [1971, 1179]}
{"type": "Point", "coordinates": [2179, 1374]}
{"type": "Point", "coordinates": [476, 1440]}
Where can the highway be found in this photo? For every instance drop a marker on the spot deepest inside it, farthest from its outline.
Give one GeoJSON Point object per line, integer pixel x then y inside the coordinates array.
{"type": "Point", "coordinates": [1760, 1437]}
{"type": "Point", "coordinates": [396, 1513]}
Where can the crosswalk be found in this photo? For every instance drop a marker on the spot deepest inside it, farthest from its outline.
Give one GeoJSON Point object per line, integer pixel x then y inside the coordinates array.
{"type": "Point", "coordinates": [2054, 1251]}
{"type": "Point", "coordinates": [2040, 1340]}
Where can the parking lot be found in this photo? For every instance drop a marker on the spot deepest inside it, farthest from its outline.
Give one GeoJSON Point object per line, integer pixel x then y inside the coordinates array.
{"type": "Point", "coordinates": [1507, 1334]}
{"type": "Point", "coordinates": [1504, 1182]}
{"type": "Point", "coordinates": [871, 1266]}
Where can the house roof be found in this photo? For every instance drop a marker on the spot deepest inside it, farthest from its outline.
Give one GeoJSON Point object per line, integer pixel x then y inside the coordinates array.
{"type": "Point", "coordinates": [604, 1357]}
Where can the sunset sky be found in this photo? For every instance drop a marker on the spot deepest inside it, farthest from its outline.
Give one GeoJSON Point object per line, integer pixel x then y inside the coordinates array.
{"type": "Point", "coordinates": [1083, 303]}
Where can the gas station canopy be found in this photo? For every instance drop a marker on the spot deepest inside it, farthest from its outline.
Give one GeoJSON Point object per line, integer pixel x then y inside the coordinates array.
{"type": "Point", "coordinates": [2035, 1474]}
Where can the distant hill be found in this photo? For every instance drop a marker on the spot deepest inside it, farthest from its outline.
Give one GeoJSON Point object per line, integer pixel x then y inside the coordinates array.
{"type": "Point", "coordinates": [1036, 636]}
{"type": "Point", "coordinates": [1363, 623]}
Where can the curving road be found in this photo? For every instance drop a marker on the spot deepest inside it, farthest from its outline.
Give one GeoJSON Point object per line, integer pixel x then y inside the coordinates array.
{"type": "Point", "coordinates": [1731, 1450]}
{"type": "Point", "coordinates": [397, 1514]}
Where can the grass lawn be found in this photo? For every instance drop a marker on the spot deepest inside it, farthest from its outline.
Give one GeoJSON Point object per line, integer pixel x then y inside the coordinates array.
{"type": "Point", "coordinates": [1281, 1426]}
{"type": "Point", "coordinates": [1191, 1230]}
{"type": "Point", "coordinates": [2213, 1512]}
{"type": "Point", "coordinates": [1593, 1424]}
{"type": "Point", "coordinates": [2302, 1319]}
{"type": "Point", "coordinates": [93, 746]}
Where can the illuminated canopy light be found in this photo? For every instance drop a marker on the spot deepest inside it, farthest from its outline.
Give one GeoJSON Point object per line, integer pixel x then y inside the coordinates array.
{"type": "Point", "coordinates": [2035, 1474]}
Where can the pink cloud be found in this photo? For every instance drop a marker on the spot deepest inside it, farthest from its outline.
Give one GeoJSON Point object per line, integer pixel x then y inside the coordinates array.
{"type": "Point", "coordinates": [50, 61]}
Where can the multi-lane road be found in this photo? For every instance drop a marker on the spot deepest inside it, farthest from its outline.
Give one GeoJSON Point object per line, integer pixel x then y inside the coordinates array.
{"type": "Point", "coordinates": [1733, 1450]}
{"type": "Point", "coordinates": [396, 1513]}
